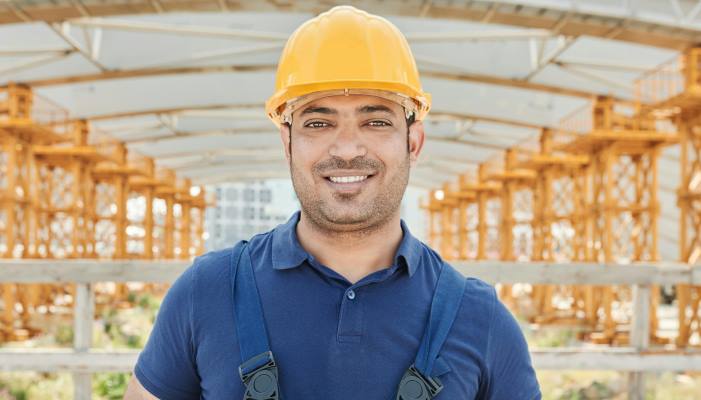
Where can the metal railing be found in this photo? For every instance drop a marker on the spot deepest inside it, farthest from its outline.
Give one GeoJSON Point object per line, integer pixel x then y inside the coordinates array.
{"type": "Point", "coordinates": [83, 360]}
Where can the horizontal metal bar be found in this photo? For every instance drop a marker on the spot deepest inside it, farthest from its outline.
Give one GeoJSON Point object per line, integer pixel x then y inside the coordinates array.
{"type": "Point", "coordinates": [85, 270]}
{"type": "Point", "coordinates": [67, 360]}
{"type": "Point", "coordinates": [573, 273]}
{"type": "Point", "coordinates": [154, 27]}
{"type": "Point", "coordinates": [497, 35]}
{"type": "Point", "coordinates": [618, 359]}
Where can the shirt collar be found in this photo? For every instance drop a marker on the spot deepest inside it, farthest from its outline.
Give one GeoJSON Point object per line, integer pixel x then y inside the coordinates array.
{"type": "Point", "coordinates": [288, 253]}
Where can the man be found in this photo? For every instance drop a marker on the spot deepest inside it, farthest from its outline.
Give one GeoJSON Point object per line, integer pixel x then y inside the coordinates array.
{"type": "Point", "coordinates": [345, 291]}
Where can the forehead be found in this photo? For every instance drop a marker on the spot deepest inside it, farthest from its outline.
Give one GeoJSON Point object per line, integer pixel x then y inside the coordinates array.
{"type": "Point", "coordinates": [350, 103]}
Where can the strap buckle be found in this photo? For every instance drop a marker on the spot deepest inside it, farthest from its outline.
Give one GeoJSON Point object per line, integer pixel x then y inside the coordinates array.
{"type": "Point", "coordinates": [260, 376]}
{"type": "Point", "coordinates": [415, 386]}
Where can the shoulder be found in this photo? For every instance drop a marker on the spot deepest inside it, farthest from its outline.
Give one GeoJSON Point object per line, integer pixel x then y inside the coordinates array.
{"type": "Point", "coordinates": [484, 319]}
{"type": "Point", "coordinates": [479, 300]}
{"type": "Point", "coordinates": [479, 295]}
{"type": "Point", "coordinates": [214, 267]}
{"type": "Point", "coordinates": [476, 313]}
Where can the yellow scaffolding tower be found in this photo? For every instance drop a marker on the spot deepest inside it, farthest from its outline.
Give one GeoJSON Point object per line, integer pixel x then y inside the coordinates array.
{"type": "Point", "coordinates": [674, 90]}
{"type": "Point", "coordinates": [559, 229]}
{"type": "Point", "coordinates": [623, 147]}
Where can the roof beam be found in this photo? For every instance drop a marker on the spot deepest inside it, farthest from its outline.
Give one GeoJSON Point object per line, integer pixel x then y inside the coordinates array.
{"type": "Point", "coordinates": [175, 110]}
{"type": "Point", "coordinates": [155, 27]}
{"type": "Point", "coordinates": [146, 72]}
{"type": "Point", "coordinates": [606, 65]}
{"type": "Point", "coordinates": [460, 74]}
{"type": "Point", "coordinates": [238, 151]}
{"type": "Point", "coordinates": [12, 52]}
{"type": "Point", "coordinates": [19, 13]}
{"type": "Point", "coordinates": [80, 7]}
{"type": "Point", "coordinates": [475, 143]}
{"type": "Point", "coordinates": [181, 135]}
{"type": "Point", "coordinates": [574, 18]}
{"type": "Point", "coordinates": [63, 30]}
{"type": "Point", "coordinates": [472, 36]}
{"type": "Point", "coordinates": [47, 58]}
{"type": "Point", "coordinates": [509, 82]}
{"type": "Point", "coordinates": [157, 6]}
{"type": "Point", "coordinates": [594, 77]}
{"type": "Point", "coordinates": [163, 71]}
{"type": "Point", "coordinates": [418, 37]}
{"type": "Point", "coordinates": [563, 44]}
{"type": "Point", "coordinates": [486, 118]}
{"type": "Point", "coordinates": [179, 110]}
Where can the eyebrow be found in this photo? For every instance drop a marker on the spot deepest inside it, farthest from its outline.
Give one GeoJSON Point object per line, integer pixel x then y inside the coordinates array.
{"type": "Point", "coordinates": [320, 110]}
{"type": "Point", "coordinates": [375, 108]}
{"type": "Point", "coordinates": [367, 109]}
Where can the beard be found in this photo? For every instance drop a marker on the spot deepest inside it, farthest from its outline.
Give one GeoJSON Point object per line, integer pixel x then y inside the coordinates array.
{"type": "Point", "coordinates": [348, 213]}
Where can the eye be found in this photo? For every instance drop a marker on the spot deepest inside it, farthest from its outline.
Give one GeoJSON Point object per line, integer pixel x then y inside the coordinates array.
{"type": "Point", "coordinates": [379, 123]}
{"type": "Point", "coordinates": [316, 124]}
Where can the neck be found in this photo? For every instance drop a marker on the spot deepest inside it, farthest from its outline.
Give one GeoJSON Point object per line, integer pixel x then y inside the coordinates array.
{"type": "Point", "coordinates": [353, 254]}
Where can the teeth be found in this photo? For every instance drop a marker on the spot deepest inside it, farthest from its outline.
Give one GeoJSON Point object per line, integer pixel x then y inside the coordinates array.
{"type": "Point", "coordinates": [347, 179]}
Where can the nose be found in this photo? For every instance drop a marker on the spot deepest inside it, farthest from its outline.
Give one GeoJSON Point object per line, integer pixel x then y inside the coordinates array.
{"type": "Point", "coordinates": [348, 144]}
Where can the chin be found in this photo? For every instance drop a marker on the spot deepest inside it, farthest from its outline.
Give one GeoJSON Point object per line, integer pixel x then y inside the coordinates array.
{"type": "Point", "coordinates": [348, 216]}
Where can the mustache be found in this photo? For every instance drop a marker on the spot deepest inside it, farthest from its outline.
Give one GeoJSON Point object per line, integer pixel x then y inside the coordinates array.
{"type": "Point", "coordinates": [357, 163]}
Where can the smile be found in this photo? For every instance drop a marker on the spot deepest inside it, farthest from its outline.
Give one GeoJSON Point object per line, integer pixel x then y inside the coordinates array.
{"type": "Point", "coordinates": [347, 179]}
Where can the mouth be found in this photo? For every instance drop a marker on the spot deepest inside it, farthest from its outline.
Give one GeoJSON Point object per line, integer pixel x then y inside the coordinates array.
{"type": "Point", "coordinates": [348, 183]}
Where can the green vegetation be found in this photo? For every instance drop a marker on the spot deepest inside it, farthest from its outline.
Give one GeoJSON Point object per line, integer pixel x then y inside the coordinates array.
{"type": "Point", "coordinates": [110, 386]}
{"type": "Point", "coordinates": [114, 329]}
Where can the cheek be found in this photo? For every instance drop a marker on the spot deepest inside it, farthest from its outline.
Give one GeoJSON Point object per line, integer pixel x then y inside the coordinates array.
{"type": "Point", "coordinates": [392, 152]}
{"type": "Point", "coordinates": [306, 153]}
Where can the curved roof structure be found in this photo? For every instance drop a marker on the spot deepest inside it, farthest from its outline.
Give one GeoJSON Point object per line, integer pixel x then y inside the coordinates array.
{"type": "Point", "coordinates": [184, 81]}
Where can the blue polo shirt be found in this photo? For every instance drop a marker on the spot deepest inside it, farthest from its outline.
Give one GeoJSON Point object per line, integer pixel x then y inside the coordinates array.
{"type": "Point", "coordinates": [331, 339]}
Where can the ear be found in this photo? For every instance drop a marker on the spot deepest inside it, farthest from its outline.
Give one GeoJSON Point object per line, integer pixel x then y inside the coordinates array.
{"type": "Point", "coordinates": [285, 136]}
{"type": "Point", "coordinates": [416, 141]}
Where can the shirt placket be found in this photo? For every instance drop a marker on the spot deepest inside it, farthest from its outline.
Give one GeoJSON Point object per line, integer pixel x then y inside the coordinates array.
{"type": "Point", "coordinates": [350, 319]}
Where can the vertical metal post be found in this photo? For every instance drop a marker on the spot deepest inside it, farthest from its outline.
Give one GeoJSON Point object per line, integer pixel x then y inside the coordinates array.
{"type": "Point", "coordinates": [84, 311]}
{"type": "Point", "coordinates": [481, 215]}
{"type": "Point", "coordinates": [639, 337]}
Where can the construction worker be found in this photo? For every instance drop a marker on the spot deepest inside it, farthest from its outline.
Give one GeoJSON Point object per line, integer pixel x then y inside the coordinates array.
{"type": "Point", "coordinates": [341, 302]}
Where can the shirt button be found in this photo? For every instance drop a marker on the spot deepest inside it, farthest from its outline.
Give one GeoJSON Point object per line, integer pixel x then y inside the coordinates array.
{"type": "Point", "coordinates": [350, 294]}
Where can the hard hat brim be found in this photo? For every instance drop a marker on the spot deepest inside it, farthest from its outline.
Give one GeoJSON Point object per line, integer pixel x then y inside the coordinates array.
{"type": "Point", "coordinates": [278, 104]}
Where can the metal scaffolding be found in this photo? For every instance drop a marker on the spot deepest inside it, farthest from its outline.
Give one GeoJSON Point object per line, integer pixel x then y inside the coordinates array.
{"type": "Point", "coordinates": [66, 193]}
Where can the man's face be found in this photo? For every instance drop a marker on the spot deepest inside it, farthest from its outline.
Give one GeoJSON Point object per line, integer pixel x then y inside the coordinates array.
{"type": "Point", "coordinates": [350, 158]}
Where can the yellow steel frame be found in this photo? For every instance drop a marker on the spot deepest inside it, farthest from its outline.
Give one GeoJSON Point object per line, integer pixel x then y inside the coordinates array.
{"type": "Point", "coordinates": [674, 90]}
{"type": "Point", "coordinates": [64, 194]}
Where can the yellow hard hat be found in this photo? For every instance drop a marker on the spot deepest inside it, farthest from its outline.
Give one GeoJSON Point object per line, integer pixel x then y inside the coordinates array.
{"type": "Point", "coordinates": [346, 50]}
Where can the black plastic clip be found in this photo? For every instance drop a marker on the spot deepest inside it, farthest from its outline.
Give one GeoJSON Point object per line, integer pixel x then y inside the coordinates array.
{"type": "Point", "coordinates": [262, 381]}
{"type": "Point", "coordinates": [415, 386]}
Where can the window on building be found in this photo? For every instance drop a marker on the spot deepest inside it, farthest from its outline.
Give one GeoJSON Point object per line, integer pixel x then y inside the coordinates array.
{"type": "Point", "coordinates": [249, 213]}
{"type": "Point", "coordinates": [232, 194]}
{"type": "Point", "coordinates": [249, 195]}
{"type": "Point", "coordinates": [248, 230]}
{"type": "Point", "coordinates": [263, 214]}
{"type": "Point", "coordinates": [266, 196]}
{"type": "Point", "coordinates": [231, 213]}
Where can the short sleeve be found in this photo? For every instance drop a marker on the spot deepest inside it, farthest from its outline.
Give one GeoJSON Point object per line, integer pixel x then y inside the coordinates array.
{"type": "Point", "coordinates": [510, 372]}
{"type": "Point", "coordinates": [166, 366]}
